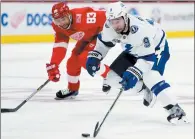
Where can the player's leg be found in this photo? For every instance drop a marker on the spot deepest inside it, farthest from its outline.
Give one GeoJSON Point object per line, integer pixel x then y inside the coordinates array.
{"type": "Point", "coordinates": [162, 89]}
{"type": "Point", "coordinates": [73, 73]}
{"type": "Point", "coordinates": [118, 67]}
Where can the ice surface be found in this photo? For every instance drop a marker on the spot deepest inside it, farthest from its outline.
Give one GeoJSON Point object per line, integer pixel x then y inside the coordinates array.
{"type": "Point", "coordinates": [23, 71]}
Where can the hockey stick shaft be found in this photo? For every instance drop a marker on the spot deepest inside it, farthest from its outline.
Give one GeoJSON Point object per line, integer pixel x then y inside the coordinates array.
{"type": "Point", "coordinates": [21, 104]}
{"type": "Point", "coordinates": [97, 127]}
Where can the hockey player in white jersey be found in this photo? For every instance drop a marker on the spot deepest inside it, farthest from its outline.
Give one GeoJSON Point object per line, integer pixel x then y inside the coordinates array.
{"type": "Point", "coordinates": [144, 40]}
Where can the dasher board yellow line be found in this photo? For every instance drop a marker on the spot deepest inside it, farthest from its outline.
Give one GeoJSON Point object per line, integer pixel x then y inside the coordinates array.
{"type": "Point", "coordinates": [50, 38]}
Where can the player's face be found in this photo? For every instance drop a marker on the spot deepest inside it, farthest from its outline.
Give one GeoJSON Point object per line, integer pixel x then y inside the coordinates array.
{"type": "Point", "coordinates": [63, 22]}
{"type": "Point", "coordinates": [118, 24]}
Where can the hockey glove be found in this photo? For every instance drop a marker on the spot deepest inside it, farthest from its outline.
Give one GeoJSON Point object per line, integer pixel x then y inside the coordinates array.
{"type": "Point", "coordinates": [53, 72]}
{"type": "Point", "coordinates": [130, 77]}
{"type": "Point", "coordinates": [93, 62]}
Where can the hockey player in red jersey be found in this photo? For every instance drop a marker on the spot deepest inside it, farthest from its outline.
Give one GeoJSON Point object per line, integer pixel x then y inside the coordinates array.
{"type": "Point", "coordinates": [83, 25]}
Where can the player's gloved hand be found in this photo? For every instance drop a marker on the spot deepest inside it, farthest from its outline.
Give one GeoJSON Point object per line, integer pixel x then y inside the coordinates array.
{"type": "Point", "coordinates": [53, 72]}
{"type": "Point", "coordinates": [130, 77]}
{"type": "Point", "coordinates": [93, 62]}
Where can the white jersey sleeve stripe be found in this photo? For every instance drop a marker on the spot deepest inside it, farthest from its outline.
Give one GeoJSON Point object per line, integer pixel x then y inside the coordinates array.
{"type": "Point", "coordinates": [61, 44]}
{"type": "Point", "coordinates": [73, 79]}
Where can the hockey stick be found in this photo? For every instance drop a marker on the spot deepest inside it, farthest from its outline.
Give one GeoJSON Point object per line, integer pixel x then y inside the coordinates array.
{"type": "Point", "coordinates": [3, 110]}
{"type": "Point", "coordinates": [98, 127]}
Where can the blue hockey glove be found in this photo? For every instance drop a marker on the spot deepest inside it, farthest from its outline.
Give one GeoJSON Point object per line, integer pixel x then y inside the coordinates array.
{"type": "Point", "coordinates": [93, 62]}
{"type": "Point", "coordinates": [130, 77]}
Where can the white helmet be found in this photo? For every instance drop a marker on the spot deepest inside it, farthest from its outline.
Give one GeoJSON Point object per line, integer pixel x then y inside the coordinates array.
{"type": "Point", "coordinates": [116, 10]}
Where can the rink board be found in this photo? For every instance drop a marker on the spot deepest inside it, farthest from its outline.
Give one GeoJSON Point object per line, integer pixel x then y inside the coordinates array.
{"type": "Point", "coordinates": [50, 38]}
{"type": "Point", "coordinates": [31, 22]}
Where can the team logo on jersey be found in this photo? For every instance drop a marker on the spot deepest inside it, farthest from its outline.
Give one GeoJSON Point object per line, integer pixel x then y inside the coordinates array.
{"type": "Point", "coordinates": [134, 29]}
{"type": "Point", "coordinates": [128, 47]}
{"type": "Point", "coordinates": [78, 18]}
{"type": "Point", "coordinates": [77, 36]}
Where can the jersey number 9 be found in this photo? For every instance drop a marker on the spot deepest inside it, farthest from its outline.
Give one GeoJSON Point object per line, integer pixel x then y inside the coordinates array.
{"type": "Point", "coordinates": [91, 17]}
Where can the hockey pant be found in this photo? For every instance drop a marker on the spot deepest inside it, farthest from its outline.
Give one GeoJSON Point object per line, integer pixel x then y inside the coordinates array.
{"type": "Point", "coordinates": [118, 67]}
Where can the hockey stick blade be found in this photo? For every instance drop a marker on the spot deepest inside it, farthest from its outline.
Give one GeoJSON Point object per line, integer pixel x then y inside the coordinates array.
{"type": "Point", "coordinates": [4, 110]}
{"type": "Point", "coordinates": [96, 130]}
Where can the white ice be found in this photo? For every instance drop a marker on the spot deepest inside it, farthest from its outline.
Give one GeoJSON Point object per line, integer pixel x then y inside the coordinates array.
{"type": "Point", "coordinates": [42, 117]}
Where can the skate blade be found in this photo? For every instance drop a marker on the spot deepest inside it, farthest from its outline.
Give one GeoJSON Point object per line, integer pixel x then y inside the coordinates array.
{"type": "Point", "coordinates": [66, 98]}
{"type": "Point", "coordinates": [183, 120]}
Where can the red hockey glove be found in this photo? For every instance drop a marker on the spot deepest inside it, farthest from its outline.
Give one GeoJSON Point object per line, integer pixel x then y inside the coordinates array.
{"type": "Point", "coordinates": [53, 72]}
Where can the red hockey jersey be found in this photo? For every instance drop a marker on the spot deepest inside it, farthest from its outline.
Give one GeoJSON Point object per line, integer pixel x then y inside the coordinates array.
{"type": "Point", "coordinates": [86, 24]}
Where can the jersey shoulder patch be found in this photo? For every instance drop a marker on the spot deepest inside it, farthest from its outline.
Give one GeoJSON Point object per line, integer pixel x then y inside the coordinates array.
{"type": "Point", "coordinates": [133, 29]}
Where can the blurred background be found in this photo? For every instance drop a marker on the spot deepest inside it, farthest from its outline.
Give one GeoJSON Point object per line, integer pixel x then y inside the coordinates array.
{"type": "Point", "coordinates": [27, 21]}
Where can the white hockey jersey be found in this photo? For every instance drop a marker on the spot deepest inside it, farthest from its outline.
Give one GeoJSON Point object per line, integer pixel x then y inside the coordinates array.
{"type": "Point", "coordinates": [146, 38]}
